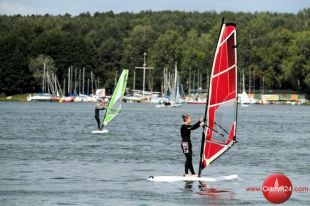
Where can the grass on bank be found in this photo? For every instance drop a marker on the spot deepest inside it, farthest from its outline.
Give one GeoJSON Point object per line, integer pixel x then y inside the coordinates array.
{"type": "Point", "coordinates": [14, 98]}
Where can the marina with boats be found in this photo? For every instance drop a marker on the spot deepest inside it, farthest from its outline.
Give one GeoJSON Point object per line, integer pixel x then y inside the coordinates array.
{"type": "Point", "coordinates": [172, 94]}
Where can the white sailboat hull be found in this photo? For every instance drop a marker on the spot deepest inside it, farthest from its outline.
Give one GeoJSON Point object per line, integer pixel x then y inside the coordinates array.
{"type": "Point", "coordinates": [39, 97]}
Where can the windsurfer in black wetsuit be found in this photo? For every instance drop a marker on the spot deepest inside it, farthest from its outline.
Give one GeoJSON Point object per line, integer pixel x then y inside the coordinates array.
{"type": "Point", "coordinates": [100, 106]}
{"type": "Point", "coordinates": [186, 144]}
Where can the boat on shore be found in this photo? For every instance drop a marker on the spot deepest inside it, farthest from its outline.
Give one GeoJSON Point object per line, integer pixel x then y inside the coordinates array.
{"type": "Point", "coordinates": [39, 97]}
{"type": "Point", "coordinates": [196, 101]}
{"type": "Point", "coordinates": [168, 104]}
{"type": "Point", "coordinates": [67, 99]}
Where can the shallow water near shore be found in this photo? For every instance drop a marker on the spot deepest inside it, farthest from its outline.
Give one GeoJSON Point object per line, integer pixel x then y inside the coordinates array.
{"type": "Point", "coordinates": [48, 155]}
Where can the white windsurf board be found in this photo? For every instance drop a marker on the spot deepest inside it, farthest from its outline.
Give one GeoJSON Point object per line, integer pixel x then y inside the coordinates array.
{"type": "Point", "coordinates": [103, 131]}
{"type": "Point", "coordinates": [191, 178]}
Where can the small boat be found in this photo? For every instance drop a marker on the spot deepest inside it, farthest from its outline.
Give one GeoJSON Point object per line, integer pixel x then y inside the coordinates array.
{"type": "Point", "coordinates": [39, 97]}
{"type": "Point", "coordinates": [168, 104]}
{"type": "Point", "coordinates": [196, 101]}
{"type": "Point", "coordinates": [243, 98]}
{"type": "Point", "coordinates": [67, 99]}
{"type": "Point", "coordinates": [55, 99]}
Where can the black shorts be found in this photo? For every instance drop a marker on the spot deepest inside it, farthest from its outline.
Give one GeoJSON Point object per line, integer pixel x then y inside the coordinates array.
{"type": "Point", "coordinates": [186, 148]}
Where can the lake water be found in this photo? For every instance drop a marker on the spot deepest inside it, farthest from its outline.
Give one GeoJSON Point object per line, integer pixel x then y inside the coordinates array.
{"type": "Point", "coordinates": [48, 155]}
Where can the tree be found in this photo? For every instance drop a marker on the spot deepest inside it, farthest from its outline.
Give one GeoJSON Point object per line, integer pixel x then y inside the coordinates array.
{"type": "Point", "coordinates": [140, 40]}
{"type": "Point", "coordinates": [166, 51]}
{"type": "Point", "coordinates": [298, 63]}
{"type": "Point", "coordinates": [14, 74]}
{"type": "Point", "coordinates": [274, 45]}
{"type": "Point", "coordinates": [109, 54]}
{"type": "Point", "coordinates": [36, 66]}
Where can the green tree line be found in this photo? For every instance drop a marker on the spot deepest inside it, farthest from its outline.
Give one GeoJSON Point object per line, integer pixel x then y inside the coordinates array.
{"type": "Point", "coordinates": [274, 47]}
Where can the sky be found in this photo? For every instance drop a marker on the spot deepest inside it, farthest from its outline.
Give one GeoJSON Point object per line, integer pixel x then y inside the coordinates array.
{"type": "Point", "coordinates": [75, 7]}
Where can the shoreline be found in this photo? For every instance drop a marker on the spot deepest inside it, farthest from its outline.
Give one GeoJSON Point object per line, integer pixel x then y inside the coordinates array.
{"type": "Point", "coordinates": [23, 98]}
{"type": "Point", "coordinates": [15, 98]}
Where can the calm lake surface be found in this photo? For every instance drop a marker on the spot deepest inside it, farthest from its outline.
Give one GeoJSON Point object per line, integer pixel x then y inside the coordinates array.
{"type": "Point", "coordinates": [48, 155]}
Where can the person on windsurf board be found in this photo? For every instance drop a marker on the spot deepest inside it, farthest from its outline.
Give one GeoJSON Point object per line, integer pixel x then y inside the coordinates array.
{"type": "Point", "coordinates": [186, 143]}
{"type": "Point", "coordinates": [101, 105]}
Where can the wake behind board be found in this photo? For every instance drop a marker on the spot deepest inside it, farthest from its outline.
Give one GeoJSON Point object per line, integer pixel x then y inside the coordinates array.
{"type": "Point", "coordinates": [191, 178]}
{"type": "Point", "coordinates": [103, 131]}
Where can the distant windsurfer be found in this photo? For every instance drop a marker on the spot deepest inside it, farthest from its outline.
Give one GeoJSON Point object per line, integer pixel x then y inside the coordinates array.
{"type": "Point", "coordinates": [101, 105]}
{"type": "Point", "coordinates": [186, 144]}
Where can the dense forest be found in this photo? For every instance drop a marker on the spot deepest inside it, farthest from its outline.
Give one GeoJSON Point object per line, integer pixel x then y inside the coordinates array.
{"type": "Point", "coordinates": [274, 47]}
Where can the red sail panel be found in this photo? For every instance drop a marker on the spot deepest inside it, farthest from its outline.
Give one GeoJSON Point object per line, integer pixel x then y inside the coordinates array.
{"type": "Point", "coordinates": [222, 61]}
{"type": "Point", "coordinates": [229, 29]}
{"type": "Point", "coordinates": [220, 132]}
{"type": "Point", "coordinates": [223, 87]}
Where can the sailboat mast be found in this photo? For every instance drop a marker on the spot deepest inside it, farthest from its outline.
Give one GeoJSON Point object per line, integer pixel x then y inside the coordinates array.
{"type": "Point", "coordinates": [194, 80]}
{"type": "Point", "coordinates": [198, 81]}
{"type": "Point", "coordinates": [71, 80]}
{"type": "Point", "coordinates": [92, 82]}
{"type": "Point", "coordinates": [55, 82]}
{"type": "Point", "coordinates": [249, 91]}
{"type": "Point", "coordinates": [254, 82]}
{"type": "Point", "coordinates": [190, 78]}
{"type": "Point", "coordinates": [134, 80]}
{"type": "Point", "coordinates": [75, 83]}
{"type": "Point", "coordinates": [68, 82]}
{"type": "Point", "coordinates": [88, 86]}
{"type": "Point", "coordinates": [48, 81]}
{"type": "Point", "coordinates": [83, 79]}
{"type": "Point", "coordinates": [175, 81]}
{"type": "Point", "coordinates": [64, 87]}
{"type": "Point", "coordinates": [243, 83]}
{"type": "Point", "coordinates": [43, 83]}
{"type": "Point", "coordinates": [79, 81]}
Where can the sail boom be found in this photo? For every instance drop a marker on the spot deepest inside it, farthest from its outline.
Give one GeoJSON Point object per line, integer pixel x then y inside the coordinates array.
{"type": "Point", "coordinates": [220, 153]}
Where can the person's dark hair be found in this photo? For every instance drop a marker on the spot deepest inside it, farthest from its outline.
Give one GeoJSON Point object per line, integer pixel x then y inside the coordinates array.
{"type": "Point", "coordinates": [184, 117]}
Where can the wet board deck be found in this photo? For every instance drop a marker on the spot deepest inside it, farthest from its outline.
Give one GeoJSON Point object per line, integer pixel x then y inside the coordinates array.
{"type": "Point", "coordinates": [191, 178]}
{"type": "Point", "coordinates": [104, 131]}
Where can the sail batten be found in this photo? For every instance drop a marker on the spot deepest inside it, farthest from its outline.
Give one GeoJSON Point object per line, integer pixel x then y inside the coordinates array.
{"type": "Point", "coordinates": [115, 103]}
{"type": "Point", "coordinates": [221, 112]}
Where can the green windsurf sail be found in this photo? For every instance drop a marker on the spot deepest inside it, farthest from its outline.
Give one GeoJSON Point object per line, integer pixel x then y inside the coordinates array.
{"type": "Point", "coordinates": [115, 104]}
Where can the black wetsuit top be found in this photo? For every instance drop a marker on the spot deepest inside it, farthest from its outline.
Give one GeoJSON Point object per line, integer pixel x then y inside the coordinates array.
{"type": "Point", "coordinates": [186, 135]}
{"type": "Point", "coordinates": [99, 107]}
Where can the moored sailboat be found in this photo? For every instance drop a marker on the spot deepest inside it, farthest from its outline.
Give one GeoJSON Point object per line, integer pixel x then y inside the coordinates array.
{"type": "Point", "coordinates": [175, 97]}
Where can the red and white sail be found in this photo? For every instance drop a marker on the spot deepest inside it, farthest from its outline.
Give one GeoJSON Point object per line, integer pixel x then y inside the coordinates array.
{"type": "Point", "coordinates": [221, 110]}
